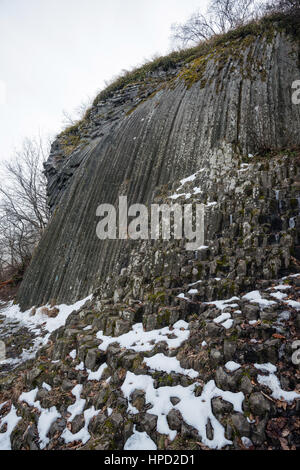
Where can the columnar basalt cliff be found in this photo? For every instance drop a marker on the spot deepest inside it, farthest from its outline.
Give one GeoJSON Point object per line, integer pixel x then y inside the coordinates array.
{"type": "Point", "coordinates": [206, 112]}
{"type": "Point", "coordinates": [173, 349]}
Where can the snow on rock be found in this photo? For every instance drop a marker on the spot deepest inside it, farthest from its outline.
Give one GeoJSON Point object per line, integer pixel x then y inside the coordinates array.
{"type": "Point", "coordinates": [196, 411]}
{"type": "Point", "coordinates": [232, 366]}
{"type": "Point", "coordinates": [193, 291]}
{"type": "Point", "coordinates": [256, 298]}
{"type": "Point", "coordinates": [73, 354]}
{"type": "Point", "coordinates": [183, 182]}
{"type": "Point", "coordinates": [293, 304]}
{"type": "Point", "coordinates": [211, 204]}
{"type": "Point", "coordinates": [227, 324]}
{"type": "Point", "coordinates": [39, 324]}
{"type": "Point", "coordinates": [47, 416]}
{"type": "Point", "coordinates": [221, 318]}
{"type": "Point", "coordinates": [222, 304]}
{"type": "Point", "coordinates": [98, 374]}
{"type": "Point", "coordinates": [80, 366]}
{"type": "Point", "coordinates": [77, 407]}
{"type": "Point", "coordinates": [139, 441]}
{"type": "Point", "coordinates": [162, 363]}
{"type": "Point", "coordinates": [246, 442]}
{"type": "Point", "coordinates": [189, 179]}
{"type": "Point", "coordinates": [197, 190]}
{"type": "Point", "coordinates": [10, 420]}
{"type": "Point", "coordinates": [29, 398]}
{"type": "Point", "coordinates": [195, 283]}
{"type": "Point", "coordinates": [273, 383]}
{"type": "Point", "coordinates": [182, 296]}
{"type": "Point", "coordinates": [177, 196]}
{"type": "Point", "coordinates": [139, 340]}
{"type": "Point", "coordinates": [46, 419]}
{"type": "Point", "coordinates": [291, 275]}
{"type": "Point", "coordinates": [281, 287]}
{"type": "Point", "coordinates": [83, 435]}
{"type": "Point", "coordinates": [41, 319]}
{"type": "Point", "coordinates": [27, 354]}
{"type": "Point", "coordinates": [46, 386]}
{"type": "Point", "coordinates": [278, 295]}
{"type": "Point", "coordinates": [225, 320]}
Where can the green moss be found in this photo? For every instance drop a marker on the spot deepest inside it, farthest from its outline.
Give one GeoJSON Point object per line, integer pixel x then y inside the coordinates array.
{"type": "Point", "coordinates": [246, 373]}
{"type": "Point", "coordinates": [109, 426]}
{"type": "Point", "coordinates": [195, 71]}
{"type": "Point", "coordinates": [222, 261]}
{"type": "Point", "coordinates": [70, 142]}
{"type": "Point", "coordinates": [159, 297]}
{"type": "Point", "coordinates": [163, 318]}
{"type": "Point", "coordinates": [233, 337]}
{"type": "Point", "coordinates": [137, 362]}
{"type": "Point", "coordinates": [169, 380]}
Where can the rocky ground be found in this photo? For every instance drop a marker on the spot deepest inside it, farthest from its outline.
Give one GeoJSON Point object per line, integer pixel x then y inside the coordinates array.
{"type": "Point", "coordinates": [21, 343]}
{"type": "Point", "coordinates": [156, 358]}
{"type": "Point", "coordinates": [217, 374]}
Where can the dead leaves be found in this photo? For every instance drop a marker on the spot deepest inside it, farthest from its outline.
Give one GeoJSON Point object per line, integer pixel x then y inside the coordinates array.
{"type": "Point", "coordinates": [278, 336]}
{"type": "Point", "coordinates": [284, 443]}
{"type": "Point", "coordinates": [202, 446]}
{"type": "Point", "coordinates": [281, 404]}
{"type": "Point", "coordinates": [6, 408]}
{"type": "Point", "coordinates": [280, 429]}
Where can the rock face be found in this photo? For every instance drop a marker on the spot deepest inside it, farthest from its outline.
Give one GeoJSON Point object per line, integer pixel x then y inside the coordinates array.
{"type": "Point", "coordinates": [175, 349]}
{"type": "Point", "coordinates": [206, 113]}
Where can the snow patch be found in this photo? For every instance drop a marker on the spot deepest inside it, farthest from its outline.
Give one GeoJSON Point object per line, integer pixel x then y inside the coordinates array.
{"type": "Point", "coordinates": [11, 420]}
{"type": "Point", "coordinates": [83, 435]}
{"type": "Point", "coordinates": [98, 374]}
{"type": "Point", "coordinates": [139, 340]}
{"type": "Point", "coordinates": [162, 363]}
{"type": "Point", "coordinates": [232, 366]}
{"type": "Point", "coordinates": [273, 383]}
{"type": "Point", "coordinates": [77, 407]}
{"type": "Point", "coordinates": [40, 318]}
{"type": "Point", "coordinates": [256, 298]}
{"type": "Point", "coordinates": [139, 441]}
{"type": "Point", "coordinates": [196, 411]}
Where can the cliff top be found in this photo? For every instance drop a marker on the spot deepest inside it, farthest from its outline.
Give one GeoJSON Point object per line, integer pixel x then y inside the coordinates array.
{"type": "Point", "coordinates": [265, 26]}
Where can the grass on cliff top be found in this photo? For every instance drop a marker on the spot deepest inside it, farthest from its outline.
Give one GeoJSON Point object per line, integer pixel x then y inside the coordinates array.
{"type": "Point", "coordinates": [288, 23]}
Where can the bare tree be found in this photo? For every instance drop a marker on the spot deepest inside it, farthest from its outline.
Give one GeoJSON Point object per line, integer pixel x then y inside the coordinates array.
{"type": "Point", "coordinates": [221, 16]}
{"type": "Point", "coordinates": [285, 6]}
{"type": "Point", "coordinates": [71, 119]}
{"type": "Point", "coordinates": [197, 28]}
{"type": "Point", "coordinates": [230, 14]}
{"type": "Point", "coordinates": [24, 213]}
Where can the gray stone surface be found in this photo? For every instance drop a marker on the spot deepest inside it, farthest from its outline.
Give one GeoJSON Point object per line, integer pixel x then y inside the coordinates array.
{"type": "Point", "coordinates": [167, 136]}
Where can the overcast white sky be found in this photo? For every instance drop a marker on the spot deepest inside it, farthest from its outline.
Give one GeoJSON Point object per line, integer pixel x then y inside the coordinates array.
{"type": "Point", "coordinates": [54, 54]}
